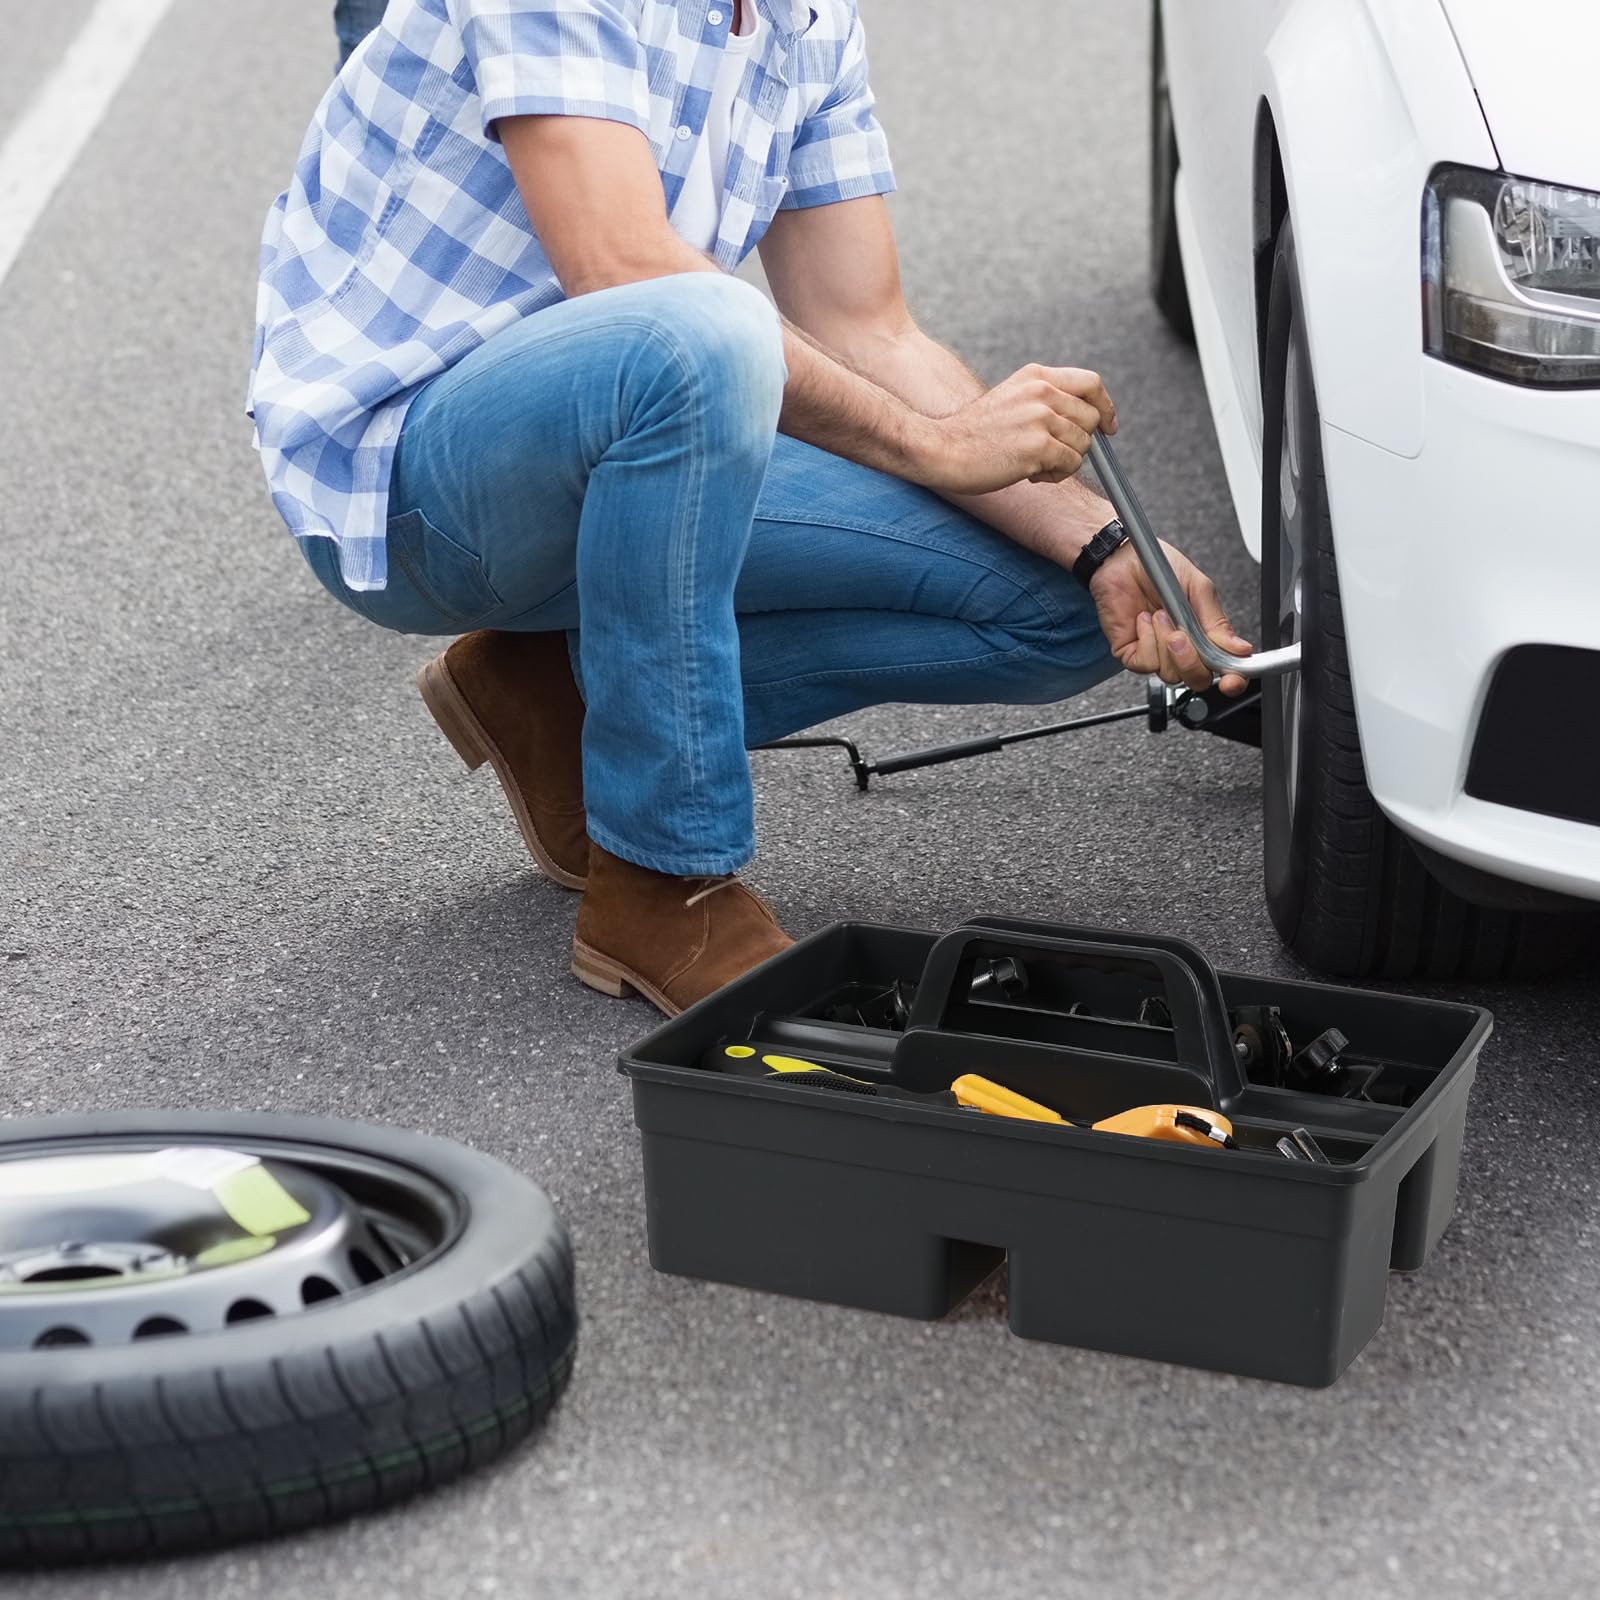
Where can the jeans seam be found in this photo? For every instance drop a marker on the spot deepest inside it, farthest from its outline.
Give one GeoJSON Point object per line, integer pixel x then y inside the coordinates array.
{"type": "Point", "coordinates": [1037, 597]}
{"type": "Point", "coordinates": [990, 658]}
{"type": "Point", "coordinates": [688, 675]}
{"type": "Point", "coordinates": [685, 672]}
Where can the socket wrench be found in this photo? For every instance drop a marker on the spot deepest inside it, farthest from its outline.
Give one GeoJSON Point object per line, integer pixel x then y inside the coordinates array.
{"type": "Point", "coordinates": [1119, 491]}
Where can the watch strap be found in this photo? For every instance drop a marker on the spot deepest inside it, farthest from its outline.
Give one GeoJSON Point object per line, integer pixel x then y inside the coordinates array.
{"type": "Point", "coordinates": [1099, 550]}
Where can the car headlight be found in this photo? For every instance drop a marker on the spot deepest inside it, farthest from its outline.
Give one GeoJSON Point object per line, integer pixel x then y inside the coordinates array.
{"type": "Point", "coordinates": [1511, 277]}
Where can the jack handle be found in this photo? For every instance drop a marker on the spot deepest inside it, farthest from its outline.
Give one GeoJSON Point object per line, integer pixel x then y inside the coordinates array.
{"type": "Point", "coordinates": [1119, 491]}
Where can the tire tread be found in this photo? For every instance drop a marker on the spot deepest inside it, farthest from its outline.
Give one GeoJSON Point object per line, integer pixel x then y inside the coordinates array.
{"type": "Point", "coordinates": [143, 1466]}
{"type": "Point", "coordinates": [1361, 902]}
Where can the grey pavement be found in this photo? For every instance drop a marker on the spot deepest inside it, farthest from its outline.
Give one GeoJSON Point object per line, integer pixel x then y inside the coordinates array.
{"type": "Point", "coordinates": [239, 868]}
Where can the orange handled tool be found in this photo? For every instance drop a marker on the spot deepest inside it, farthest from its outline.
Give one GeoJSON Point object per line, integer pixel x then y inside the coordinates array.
{"type": "Point", "coordinates": [1177, 1124]}
{"type": "Point", "coordinates": [979, 1094]}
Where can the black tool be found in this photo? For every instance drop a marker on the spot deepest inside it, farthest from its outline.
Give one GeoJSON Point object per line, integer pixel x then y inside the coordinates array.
{"type": "Point", "coordinates": [1317, 1067]}
{"type": "Point", "coordinates": [1004, 978]}
{"type": "Point", "coordinates": [827, 1078]}
{"type": "Point", "coordinates": [873, 1006]}
{"type": "Point", "coordinates": [902, 995]}
{"type": "Point", "coordinates": [1209, 711]}
{"type": "Point", "coordinates": [1262, 1044]}
{"type": "Point", "coordinates": [1154, 1012]}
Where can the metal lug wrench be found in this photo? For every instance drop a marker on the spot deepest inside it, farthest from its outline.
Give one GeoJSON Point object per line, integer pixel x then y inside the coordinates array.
{"type": "Point", "coordinates": [1119, 491]}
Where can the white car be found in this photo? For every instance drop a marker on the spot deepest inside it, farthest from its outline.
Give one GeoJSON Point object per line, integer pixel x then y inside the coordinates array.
{"type": "Point", "coordinates": [1381, 221]}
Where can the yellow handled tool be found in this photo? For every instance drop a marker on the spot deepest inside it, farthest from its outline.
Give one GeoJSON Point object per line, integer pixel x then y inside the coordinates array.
{"type": "Point", "coordinates": [979, 1094]}
{"type": "Point", "coordinates": [1177, 1124]}
{"type": "Point", "coordinates": [783, 1066]}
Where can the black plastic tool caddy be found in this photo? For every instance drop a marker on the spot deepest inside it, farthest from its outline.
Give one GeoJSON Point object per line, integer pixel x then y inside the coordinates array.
{"type": "Point", "coordinates": [1236, 1260]}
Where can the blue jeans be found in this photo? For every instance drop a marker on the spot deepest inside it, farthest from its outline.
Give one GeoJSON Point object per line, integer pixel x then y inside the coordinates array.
{"type": "Point", "coordinates": [611, 467]}
{"type": "Point", "coordinates": [353, 20]}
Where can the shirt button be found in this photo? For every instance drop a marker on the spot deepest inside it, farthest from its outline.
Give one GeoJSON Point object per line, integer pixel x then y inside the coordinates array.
{"type": "Point", "coordinates": [714, 18]}
{"type": "Point", "coordinates": [683, 132]}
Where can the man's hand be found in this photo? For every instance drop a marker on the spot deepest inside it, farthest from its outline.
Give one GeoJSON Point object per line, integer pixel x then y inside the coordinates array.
{"type": "Point", "coordinates": [1032, 428]}
{"type": "Point", "coordinates": [1145, 639]}
{"type": "Point", "coordinates": [1007, 455]}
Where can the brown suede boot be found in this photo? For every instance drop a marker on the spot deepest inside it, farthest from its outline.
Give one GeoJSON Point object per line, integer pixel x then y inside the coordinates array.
{"type": "Point", "coordinates": [510, 699]}
{"type": "Point", "coordinates": [673, 940]}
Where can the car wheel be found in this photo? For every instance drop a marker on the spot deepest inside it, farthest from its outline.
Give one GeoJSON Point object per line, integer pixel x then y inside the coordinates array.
{"type": "Point", "coordinates": [218, 1327]}
{"type": "Point", "coordinates": [1346, 890]}
{"type": "Point", "coordinates": [1166, 264]}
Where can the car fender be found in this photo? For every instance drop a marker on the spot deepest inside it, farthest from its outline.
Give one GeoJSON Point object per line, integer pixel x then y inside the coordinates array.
{"type": "Point", "coordinates": [1365, 99]}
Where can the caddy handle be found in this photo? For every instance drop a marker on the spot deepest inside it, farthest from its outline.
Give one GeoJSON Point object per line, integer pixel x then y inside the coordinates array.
{"type": "Point", "coordinates": [1179, 970]}
{"type": "Point", "coordinates": [1119, 491]}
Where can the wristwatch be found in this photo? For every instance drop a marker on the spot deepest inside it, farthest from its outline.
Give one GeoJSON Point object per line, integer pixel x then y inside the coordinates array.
{"type": "Point", "coordinates": [1099, 550]}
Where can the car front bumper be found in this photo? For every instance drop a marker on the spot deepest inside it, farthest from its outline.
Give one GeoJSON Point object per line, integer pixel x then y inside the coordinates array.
{"type": "Point", "coordinates": [1486, 539]}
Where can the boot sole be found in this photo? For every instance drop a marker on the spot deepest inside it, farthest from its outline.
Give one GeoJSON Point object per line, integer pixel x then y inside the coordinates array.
{"type": "Point", "coordinates": [470, 740]}
{"type": "Point", "coordinates": [610, 977]}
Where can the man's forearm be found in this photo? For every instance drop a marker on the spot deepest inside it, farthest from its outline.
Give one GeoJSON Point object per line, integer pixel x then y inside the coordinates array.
{"type": "Point", "coordinates": [825, 402]}
{"type": "Point", "coordinates": [1053, 519]}
{"type": "Point", "coordinates": [843, 411]}
{"type": "Point", "coordinates": [879, 406]}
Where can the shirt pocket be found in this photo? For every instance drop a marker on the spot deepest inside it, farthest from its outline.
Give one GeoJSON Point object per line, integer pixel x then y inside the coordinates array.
{"type": "Point", "coordinates": [764, 203]}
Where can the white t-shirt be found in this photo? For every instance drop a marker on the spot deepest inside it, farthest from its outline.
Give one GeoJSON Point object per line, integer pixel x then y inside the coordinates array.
{"type": "Point", "coordinates": [699, 209]}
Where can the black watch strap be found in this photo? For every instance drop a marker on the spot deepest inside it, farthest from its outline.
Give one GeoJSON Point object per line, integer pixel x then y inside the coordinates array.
{"type": "Point", "coordinates": [1099, 550]}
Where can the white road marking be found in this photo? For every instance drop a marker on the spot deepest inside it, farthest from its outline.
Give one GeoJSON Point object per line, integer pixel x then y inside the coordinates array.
{"type": "Point", "coordinates": [64, 113]}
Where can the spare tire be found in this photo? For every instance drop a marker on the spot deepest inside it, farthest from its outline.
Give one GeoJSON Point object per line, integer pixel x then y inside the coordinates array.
{"type": "Point", "coordinates": [217, 1327]}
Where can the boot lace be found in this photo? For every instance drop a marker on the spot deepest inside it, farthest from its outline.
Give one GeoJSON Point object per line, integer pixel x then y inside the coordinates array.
{"type": "Point", "coordinates": [710, 887]}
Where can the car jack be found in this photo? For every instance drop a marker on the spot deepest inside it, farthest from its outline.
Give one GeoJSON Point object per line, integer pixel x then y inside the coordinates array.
{"type": "Point", "coordinates": [1211, 711]}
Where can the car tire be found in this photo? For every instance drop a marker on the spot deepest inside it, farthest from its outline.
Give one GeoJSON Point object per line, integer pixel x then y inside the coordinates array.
{"type": "Point", "coordinates": [1167, 285]}
{"type": "Point", "coordinates": [114, 1445]}
{"type": "Point", "coordinates": [1345, 888]}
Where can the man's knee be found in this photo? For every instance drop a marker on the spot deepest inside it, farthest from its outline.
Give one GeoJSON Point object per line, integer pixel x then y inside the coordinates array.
{"type": "Point", "coordinates": [1058, 666]}
{"type": "Point", "coordinates": [1055, 648]}
{"type": "Point", "coordinates": [727, 337]}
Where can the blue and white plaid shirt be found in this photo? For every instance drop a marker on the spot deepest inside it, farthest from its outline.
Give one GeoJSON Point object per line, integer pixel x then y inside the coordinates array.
{"type": "Point", "coordinates": [402, 242]}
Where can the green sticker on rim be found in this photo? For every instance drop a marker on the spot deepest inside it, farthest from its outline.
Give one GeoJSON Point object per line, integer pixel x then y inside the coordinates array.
{"type": "Point", "coordinates": [258, 1202]}
{"type": "Point", "coordinates": [234, 1250]}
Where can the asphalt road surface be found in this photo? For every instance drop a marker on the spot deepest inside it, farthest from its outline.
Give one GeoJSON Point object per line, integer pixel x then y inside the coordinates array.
{"type": "Point", "coordinates": [240, 868]}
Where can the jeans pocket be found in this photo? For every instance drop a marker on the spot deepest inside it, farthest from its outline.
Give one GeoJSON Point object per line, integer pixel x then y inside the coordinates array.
{"type": "Point", "coordinates": [445, 574]}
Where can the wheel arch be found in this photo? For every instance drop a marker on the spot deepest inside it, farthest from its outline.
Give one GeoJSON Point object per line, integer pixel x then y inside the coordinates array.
{"type": "Point", "coordinates": [1269, 206]}
{"type": "Point", "coordinates": [1357, 104]}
